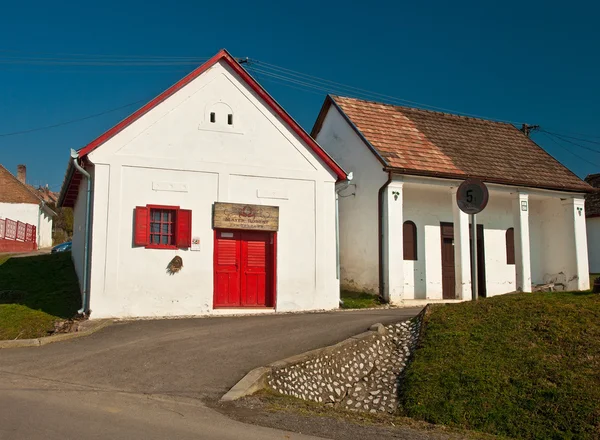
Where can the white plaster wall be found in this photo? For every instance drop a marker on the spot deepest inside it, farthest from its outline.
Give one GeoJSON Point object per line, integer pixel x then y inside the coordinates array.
{"type": "Point", "coordinates": [427, 207]}
{"type": "Point", "coordinates": [553, 243]}
{"type": "Point", "coordinates": [30, 213]}
{"type": "Point", "coordinates": [77, 247]}
{"type": "Point", "coordinates": [358, 213]}
{"type": "Point", "coordinates": [175, 144]}
{"type": "Point", "coordinates": [593, 240]}
{"type": "Point", "coordinates": [496, 219]}
{"type": "Point", "coordinates": [23, 212]}
{"type": "Point", "coordinates": [45, 230]}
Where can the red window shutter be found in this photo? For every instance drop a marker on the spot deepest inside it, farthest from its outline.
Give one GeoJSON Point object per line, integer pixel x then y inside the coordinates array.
{"type": "Point", "coordinates": [140, 233]}
{"type": "Point", "coordinates": [184, 228]}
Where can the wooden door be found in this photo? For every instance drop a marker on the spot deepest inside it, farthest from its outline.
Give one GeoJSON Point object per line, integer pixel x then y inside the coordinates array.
{"type": "Point", "coordinates": [448, 276]}
{"type": "Point", "coordinates": [244, 269]}
{"type": "Point", "coordinates": [255, 283]}
{"type": "Point", "coordinates": [227, 269]}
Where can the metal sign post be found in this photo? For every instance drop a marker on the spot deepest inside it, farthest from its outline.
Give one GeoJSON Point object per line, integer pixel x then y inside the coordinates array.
{"type": "Point", "coordinates": [474, 284]}
{"type": "Point", "coordinates": [472, 197]}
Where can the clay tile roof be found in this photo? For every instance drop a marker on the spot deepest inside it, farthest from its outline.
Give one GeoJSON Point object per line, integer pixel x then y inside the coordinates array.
{"type": "Point", "coordinates": [12, 190]}
{"type": "Point", "coordinates": [415, 141]}
{"type": "Point", "coordinates": [592, 201]}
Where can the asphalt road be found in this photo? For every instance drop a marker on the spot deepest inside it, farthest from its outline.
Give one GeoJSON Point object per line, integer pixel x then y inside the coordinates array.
{"type": "Point", "coordinates": [113, 384]}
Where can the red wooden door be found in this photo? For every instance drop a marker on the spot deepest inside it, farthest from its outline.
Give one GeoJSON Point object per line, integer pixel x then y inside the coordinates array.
{"type": "Point", "coordinates": [255, 268]}
{"type": "Point", "coordinates": [244, 269]}
{"type": "Point", "coordinates": [227, 269]}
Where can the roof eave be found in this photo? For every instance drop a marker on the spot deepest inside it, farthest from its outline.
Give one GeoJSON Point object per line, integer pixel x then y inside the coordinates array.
{"type": "Point", "coordinates": [507, 182]}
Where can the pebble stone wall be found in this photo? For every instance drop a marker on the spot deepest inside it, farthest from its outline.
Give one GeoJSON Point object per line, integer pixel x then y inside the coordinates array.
{"type": "Point", "coordinates": [359, 374]}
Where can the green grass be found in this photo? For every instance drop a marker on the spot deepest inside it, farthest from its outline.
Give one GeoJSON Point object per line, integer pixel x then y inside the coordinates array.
{"type": "Point", "coordinates": [359, 300]}
{"type": "Point", "coordinates": [35, 292]}
{"type": "Point", "coordinates": [524, 366]}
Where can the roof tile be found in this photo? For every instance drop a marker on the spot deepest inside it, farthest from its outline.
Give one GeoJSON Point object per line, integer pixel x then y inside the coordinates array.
{"type": "Point", "coordinates": [423, 141]}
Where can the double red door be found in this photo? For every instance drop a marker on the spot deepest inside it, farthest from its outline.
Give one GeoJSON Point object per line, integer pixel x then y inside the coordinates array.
{"type": "Point", "coordinates": [244, 265]}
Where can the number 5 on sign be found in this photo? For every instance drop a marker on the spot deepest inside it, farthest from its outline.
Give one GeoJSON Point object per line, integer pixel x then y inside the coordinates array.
{"type": "Point", "coordinates": [472, 196]}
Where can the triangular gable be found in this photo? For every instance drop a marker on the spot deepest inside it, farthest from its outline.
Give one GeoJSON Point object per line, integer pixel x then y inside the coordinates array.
{"type": "Point", "coordinates": [12, 190]}
{"type": "Point", "coordinates": [69, 189]}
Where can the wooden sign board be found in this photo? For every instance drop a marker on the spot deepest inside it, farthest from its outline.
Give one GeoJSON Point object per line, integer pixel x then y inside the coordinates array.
{"type": "Point", "coordinates": [240, 216]}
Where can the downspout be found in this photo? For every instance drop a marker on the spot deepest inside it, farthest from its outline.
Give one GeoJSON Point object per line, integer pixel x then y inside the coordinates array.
{"type": "Point", "coordinates": [86, 256]}
{"type": "Point", "coordinates": [342, 187]}
{"type": "Point", "coordinates": [380, 235]}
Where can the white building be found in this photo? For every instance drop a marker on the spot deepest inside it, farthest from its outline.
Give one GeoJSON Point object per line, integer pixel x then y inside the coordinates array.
{"type": "Point", "coordinates": [401, 232]}
{"type": "Point", "coordinates": [592, 219]}
{"type": "Point", "coordinates": [20, 202]}
{"type": "Point", "coordinates": [215, 172]}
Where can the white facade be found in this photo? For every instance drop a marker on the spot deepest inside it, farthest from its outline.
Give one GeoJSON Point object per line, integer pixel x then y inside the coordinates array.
{"type": "Point", "coordinates": [549, 229]}
{"type": "Point", "coordinates": [593, 242]}
{"type": "Point", "coordinates": [32, 214]}
{"type": "Point", "coordinates": [174, 155]}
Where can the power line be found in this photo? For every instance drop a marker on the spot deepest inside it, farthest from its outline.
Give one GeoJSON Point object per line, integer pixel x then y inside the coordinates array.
{"type": "Point", "coordinates": [569, 151]}
{"type": "Point", "coordinates": [282, 71]}
{"type": "Point", "coordinates": [571, 142]}
{"type": "Point", "coordinates": [572, 137]}
{"type": "Point", "coordinates": [72, 121]}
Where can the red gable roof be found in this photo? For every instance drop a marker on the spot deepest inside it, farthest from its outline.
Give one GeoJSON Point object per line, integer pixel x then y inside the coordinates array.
{"type": "Point", "coordinates": [69, 189]}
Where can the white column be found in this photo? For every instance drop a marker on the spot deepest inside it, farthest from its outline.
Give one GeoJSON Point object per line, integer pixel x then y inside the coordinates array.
{"type": "Point", "coordinates": [578, 277]}
{"type": "Point", "coordinates": [462, 255]}
{"type": "Point", "coordinates": [393, 255]}
{"type": "Point", "coordinates": [522, 246]}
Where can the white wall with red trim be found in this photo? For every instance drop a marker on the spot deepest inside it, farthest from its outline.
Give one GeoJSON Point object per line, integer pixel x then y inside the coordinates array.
{"type": "Point", "coordinates": [30, 213]}
{"type": "Point", "coordinates": [173, 155]}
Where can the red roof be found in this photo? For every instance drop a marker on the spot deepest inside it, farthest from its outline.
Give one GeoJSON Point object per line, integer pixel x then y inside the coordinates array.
{"type": "Point", "coordinates": [422, 142]}
{"type": "Point", "coordinates": [12, 190]}
{"type": "Point", "coordinates": [68, 193]}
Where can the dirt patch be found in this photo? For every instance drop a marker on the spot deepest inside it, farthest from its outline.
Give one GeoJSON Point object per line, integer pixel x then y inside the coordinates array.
{"type": "Point", "coordinates": [267, 409]}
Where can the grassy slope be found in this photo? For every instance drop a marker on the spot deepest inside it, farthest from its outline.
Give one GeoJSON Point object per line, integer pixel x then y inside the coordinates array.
{"type": "Point", "coordinates": [34, 293]}
{"type": "Point", "coordinates": [525, 366]}
{"type": "Point", "coordinates": [358, 300]}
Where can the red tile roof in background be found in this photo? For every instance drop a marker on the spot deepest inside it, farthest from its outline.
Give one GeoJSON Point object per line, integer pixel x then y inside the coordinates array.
{"type": "Point", "coordinates": [12, 190]}
{"type": "Point", "coordinates": [422, 142]}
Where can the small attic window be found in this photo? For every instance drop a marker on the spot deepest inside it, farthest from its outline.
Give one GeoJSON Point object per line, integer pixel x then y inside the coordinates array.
{"type": "Point", "coordinates": [212, 117]}
{"type": "Point", "coordinates": [230, 119]}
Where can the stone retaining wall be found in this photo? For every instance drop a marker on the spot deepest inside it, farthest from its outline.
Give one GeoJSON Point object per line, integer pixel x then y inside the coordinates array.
{"type": "Point", "coordinates": [359, 374]}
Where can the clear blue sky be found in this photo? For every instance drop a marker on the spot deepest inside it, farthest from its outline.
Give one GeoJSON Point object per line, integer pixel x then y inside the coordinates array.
{"type": "Point", "coordinates": [536, 62]}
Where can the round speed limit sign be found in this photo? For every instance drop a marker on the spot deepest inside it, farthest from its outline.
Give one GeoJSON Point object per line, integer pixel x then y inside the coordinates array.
{"type": "Point", "coordinates": [472, 196]}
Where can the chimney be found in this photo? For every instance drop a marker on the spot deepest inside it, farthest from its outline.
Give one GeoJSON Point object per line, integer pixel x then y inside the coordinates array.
{"type": "Point", "coordinates": [22, 173]}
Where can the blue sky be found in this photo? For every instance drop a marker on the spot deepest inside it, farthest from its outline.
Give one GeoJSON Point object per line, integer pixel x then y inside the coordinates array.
{"type": "Point", "coordinates": [536, 63]}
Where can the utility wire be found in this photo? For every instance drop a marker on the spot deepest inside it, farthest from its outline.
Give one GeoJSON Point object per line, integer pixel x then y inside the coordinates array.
{"type": "Point", "coordinates": [572, 137]}
{"type": "Point", "coordinates": [571, 142]}
{"type": "Point", "coordinates": [72, 121]}
{"type": "Point", "coordinates": [568, 150]}
{"type": "Point", "coordinates": [325, 82]}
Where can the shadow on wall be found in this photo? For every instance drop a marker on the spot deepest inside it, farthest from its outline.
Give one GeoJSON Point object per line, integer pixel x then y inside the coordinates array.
{"type": "Point", "coordinates": [45, 282]}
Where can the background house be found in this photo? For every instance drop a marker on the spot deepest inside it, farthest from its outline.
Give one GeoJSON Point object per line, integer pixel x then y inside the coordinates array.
{"type": "Point", "coordinates": [213, 175]}
{"type": "Point", "coordinates": [401, 232]}
{"type": "Point", "coordinates": [592, 219]}
{"type": "Point", "coordinates": [20, 202]}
